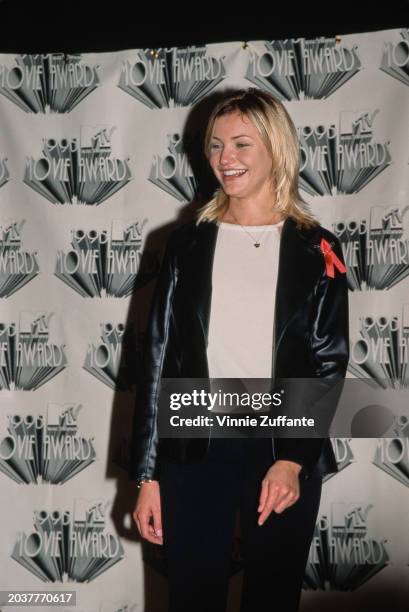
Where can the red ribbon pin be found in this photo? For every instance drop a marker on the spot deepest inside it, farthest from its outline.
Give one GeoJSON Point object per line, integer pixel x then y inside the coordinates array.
{"type": "Point", "coordinates": [331, 259]}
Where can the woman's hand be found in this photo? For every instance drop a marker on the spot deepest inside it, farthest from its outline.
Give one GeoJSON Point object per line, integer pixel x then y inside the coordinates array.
{"type": "Point", "coordinates": [147, 511]}
{"type": "Point", "coordinates": [280, 488]}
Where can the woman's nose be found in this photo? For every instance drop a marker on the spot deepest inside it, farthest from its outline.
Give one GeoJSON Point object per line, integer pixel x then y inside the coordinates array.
{"type": "Point", "coordinates": [226, 156]}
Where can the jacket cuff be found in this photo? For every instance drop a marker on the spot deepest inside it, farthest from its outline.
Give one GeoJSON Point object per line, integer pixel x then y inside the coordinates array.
{"type": "Point", "coordinates": [305, 451]}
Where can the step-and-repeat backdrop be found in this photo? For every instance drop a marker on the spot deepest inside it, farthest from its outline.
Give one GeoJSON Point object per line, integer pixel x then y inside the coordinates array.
{"type": "Point", "coordinates": [97, 162]}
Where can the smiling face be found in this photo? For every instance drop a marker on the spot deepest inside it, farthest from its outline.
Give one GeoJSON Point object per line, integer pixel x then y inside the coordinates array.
{"type": "Point", "coordinates": [239, 158]}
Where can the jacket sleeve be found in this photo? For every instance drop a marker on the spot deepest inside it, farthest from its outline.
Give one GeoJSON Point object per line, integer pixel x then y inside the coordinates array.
{"type": "Point", "coordinates": [144, 439]}
{"type": "Point", "coordinates": [329, 348]}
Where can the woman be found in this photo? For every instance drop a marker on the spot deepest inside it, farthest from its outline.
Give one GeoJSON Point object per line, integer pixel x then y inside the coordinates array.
{"type": "Point", "coordinates": [254, 287]}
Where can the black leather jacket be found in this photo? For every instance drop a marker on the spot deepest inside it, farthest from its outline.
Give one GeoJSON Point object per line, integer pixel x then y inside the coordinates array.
{"type": "Point", "coordinates": [311, 331]}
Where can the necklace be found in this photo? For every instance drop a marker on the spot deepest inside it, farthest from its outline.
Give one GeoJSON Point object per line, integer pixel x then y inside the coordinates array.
{"type": "Point", "coordinates": [256, 243]}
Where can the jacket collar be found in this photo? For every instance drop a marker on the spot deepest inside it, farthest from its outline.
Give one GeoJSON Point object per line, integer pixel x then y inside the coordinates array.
{"type": "Point", "coordinates": [299, 267]}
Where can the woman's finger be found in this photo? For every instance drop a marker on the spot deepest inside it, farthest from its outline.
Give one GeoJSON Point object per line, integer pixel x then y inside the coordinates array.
{"type": "Point", "coordinates": [143, 518]}
{"type": "Point", "coordinates": [135, 517]}
{"type": "Point", "coordinates": [138, 526]}
{"type": "Point", "coordinates": [273, 492]}
{"type": "Point", "coordinates": [157, 526]}
{"type": "Point", "coordinates": [285, 503]}
{"type": "Point", "coordinates": [263, 495]}
{"type": "Point", "coordinates": [283, 493]}
{"type": "Point", "coordinates": [146, 529]}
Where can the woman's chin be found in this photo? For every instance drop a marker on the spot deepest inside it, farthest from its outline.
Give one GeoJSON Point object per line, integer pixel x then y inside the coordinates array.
{"type": "Point", "coordinates": [233, 190]}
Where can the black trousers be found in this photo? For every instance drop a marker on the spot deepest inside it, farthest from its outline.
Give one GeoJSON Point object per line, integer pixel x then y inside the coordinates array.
{"type": "Point", "coordinates": [199, 505]}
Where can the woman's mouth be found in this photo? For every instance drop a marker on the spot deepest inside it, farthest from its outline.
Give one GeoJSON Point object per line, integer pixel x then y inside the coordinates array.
{"type": "Point", "coordinates": [231, 175]}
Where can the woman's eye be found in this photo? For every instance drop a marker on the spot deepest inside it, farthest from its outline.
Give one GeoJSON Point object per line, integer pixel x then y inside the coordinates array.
{"type": "Point", "coordinates": [239, 144]}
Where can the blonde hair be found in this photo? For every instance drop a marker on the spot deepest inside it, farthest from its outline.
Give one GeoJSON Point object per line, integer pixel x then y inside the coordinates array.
{"type": "Point", "coordinates": [280, 137]}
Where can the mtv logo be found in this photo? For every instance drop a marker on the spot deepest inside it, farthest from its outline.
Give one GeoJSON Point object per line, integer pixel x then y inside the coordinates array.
{"type": "Point", "coordinates": [349, 518]}
{"type": "Point", "coordinates": [127, 230]}
{"type": "Point", "coordinates": [383, 218]}
{"type": "Point", "coordinates": [60, 418]}
{"type": "Point", "coordinates": [34, 324]}
{"type": "Point", "coordinates": [96, 137]}
{"type": "Point", "coordinates": [10, 232]}
{"type": "Point", "coordinates": [90, 512]}
{"type": "Point", "coordinates": [356, 123]}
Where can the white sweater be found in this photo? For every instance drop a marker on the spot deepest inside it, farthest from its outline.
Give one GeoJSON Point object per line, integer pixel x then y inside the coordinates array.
{"type": "Point", "coordinates": [244, 280]}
